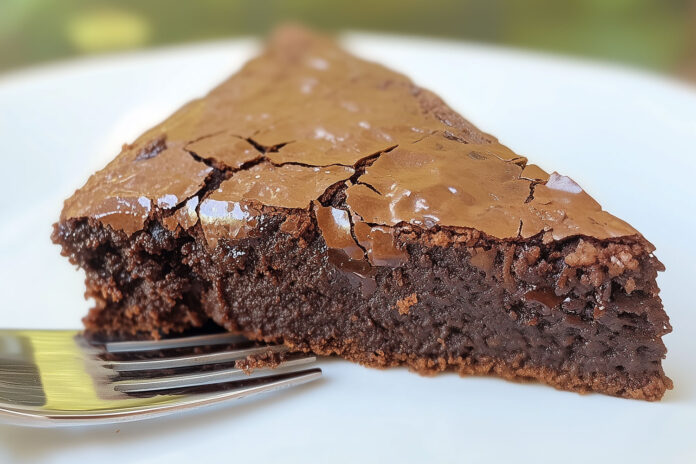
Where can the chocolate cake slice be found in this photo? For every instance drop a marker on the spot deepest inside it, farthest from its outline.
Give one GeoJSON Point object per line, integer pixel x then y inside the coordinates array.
{"type": "Point", "coordinates": [329, 203]}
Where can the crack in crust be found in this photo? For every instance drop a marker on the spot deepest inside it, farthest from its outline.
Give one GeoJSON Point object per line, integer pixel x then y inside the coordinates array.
{"type": "Point", "coordinates": [223, 172]}
{"type": "Point", "coordinates": [266, 149]}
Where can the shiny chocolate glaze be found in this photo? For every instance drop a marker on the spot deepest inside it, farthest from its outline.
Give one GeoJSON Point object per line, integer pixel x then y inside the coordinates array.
{"type": "Point", "coordinates": [306, 116]}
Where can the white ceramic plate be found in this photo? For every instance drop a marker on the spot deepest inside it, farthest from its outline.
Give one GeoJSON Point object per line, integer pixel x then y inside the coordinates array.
{"type": "Point", "coordinates": [628, 138]}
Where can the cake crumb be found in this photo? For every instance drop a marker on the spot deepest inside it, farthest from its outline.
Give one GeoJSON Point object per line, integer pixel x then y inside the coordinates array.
{"type": "Point", "coordinates": [296, 226]}
{"type": "Point", "coordinates": [547, 237]}
{"type": "Point", "coordinates": [269, 359]}
{"type": "Point", "coordinates": [483, 259]}
{"type": "Point", "coordinates": [440, 238]}
{"type": "Point", "coordinates": [404, 304]}
{"type": "Point", "coordinates": [585, 254]}
{"type": "Point", "coordinates": [598, 312]}
{"type": "Point", "coordinates": [630, 285]}
{"type": "Point", "coordinates": [508, 279]}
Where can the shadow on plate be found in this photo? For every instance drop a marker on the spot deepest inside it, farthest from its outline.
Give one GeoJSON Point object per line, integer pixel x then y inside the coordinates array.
{"type": "Point", "coordinates": [25, 444]}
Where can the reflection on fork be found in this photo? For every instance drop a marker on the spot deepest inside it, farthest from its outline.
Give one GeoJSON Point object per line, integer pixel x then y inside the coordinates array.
{"type": "Point", "coordinates": [57, 377]}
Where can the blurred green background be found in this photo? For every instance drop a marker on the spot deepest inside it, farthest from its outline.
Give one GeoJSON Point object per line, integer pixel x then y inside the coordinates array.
{"type": "Point", "coordinates": [654, 34]}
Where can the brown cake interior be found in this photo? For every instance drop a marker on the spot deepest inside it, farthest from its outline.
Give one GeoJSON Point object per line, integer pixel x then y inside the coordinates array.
{"type": "Point", "coordinates": [462, 301]}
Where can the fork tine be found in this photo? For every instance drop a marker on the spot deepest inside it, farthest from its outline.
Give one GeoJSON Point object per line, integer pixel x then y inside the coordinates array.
{"type": "Point", "coordinates": [46, 378]}
{"type": "Point", "coordinates": [169, 343]}
{"type": "Point", "coordinates": [198, 378]}
{"type": "Point", "coordinates": [192, 360]}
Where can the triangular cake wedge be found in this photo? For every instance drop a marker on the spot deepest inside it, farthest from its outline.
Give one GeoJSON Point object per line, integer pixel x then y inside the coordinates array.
{"type": "Point", "coordinates": [329, 203]}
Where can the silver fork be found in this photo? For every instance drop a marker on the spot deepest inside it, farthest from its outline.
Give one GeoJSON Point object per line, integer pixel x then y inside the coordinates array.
{"type": "Point", "coordinates": [56, 377]}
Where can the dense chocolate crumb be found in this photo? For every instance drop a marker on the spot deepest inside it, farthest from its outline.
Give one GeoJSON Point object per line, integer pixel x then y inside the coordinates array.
{"type": "Point", "coordinates": [404, 304]}
{"type": "Point", "coordinates": [269, 359]}
{"type": "Point", "coordinates": [328, 203]}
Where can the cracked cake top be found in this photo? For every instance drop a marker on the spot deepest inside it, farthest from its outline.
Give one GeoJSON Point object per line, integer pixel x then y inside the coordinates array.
{"type": "Point", "coordinates": [305, 117]}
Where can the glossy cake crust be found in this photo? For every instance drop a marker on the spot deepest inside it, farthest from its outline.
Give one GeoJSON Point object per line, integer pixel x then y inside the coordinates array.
{"type": "Point", "coordinates": [329, 203]}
